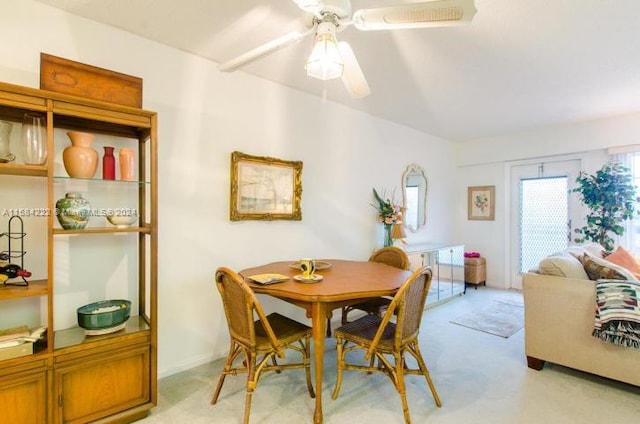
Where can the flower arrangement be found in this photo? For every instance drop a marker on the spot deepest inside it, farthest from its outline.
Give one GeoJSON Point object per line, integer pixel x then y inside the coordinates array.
{"type": "Point", "coordinates": [389, 212]}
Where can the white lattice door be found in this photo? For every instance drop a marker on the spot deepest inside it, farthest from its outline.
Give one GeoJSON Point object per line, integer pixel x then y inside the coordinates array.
{"type": "Point", "coordinates": [542, 213]}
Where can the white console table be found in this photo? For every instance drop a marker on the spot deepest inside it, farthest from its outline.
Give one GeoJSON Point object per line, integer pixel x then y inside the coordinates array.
{"type": "Point", "coordinates": [447, 264]}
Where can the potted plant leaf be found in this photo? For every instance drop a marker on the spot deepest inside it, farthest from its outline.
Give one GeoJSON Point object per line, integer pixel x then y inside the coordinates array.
{"type": "Point", "coordinates": [610, 196]}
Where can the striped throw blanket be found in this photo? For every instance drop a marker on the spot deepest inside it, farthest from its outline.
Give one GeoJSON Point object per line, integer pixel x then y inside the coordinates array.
{"type": "Point", "coordinates": [617, 317]}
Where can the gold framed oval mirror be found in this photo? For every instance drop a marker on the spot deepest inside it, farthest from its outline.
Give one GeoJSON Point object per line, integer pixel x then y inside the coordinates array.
{"type": "Point", "coordinates": [414, 197]}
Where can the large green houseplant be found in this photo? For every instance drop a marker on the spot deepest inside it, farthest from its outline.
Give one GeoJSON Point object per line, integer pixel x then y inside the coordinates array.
{"type": "Point", "coordinates": [610, 196]}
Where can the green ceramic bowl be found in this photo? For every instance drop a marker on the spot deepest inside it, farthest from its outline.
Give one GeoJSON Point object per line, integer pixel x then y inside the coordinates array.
{"type": "Point", "coordinates": [104, 314]}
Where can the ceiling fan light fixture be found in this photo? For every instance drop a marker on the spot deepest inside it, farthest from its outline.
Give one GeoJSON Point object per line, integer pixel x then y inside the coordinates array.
{"type": "Point", "coordinates": [325, 62]}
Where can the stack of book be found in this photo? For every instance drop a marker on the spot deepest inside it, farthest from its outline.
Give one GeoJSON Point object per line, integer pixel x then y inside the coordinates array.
{"type": "Point", "coordinates": [13, 343]}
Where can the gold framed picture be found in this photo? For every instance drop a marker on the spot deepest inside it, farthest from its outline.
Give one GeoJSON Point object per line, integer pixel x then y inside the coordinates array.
{"type": "Point", "coordinates": [481, 203]}
{"type": "Point", "coordinates": [265, 188]}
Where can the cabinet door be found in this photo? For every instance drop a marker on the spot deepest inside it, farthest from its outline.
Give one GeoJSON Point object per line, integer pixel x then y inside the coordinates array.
{"type": "Point", "coordinates": [22, 398]}
{"type": "Point", "coordinates": [95, 386]}
{"type": "Point", "coordinates": [457, 260]}
{"type": "Point", "coordinates": [415, 261]}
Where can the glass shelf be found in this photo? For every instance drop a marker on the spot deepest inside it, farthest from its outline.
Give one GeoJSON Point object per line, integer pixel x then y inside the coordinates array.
{"type": "Point", "coordinates": [103, 230]}
{"type": "Point", "coordinates": [62, 178]}
{"type": "Point", "coordinates": [75, 336]}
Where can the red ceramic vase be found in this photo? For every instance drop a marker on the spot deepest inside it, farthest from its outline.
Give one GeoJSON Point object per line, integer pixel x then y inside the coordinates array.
{"type": "Point", "coordinates": [108, 164]}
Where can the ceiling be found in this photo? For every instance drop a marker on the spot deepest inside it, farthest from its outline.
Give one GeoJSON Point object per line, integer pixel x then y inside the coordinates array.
{"type": "Point", "coordinates": [519, 65]}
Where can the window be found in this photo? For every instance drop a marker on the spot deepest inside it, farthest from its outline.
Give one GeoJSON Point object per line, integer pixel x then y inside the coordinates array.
{"type": "Point", "coordinates": [633, 227]}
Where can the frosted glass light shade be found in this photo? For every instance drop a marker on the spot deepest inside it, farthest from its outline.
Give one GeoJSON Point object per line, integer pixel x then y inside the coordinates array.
{"type": "Point", "coordinates": [325, 62]}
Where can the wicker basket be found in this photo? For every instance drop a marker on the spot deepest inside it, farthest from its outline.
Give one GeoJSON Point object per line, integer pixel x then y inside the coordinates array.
{"type": "Point", "coordinates": [475, 270]}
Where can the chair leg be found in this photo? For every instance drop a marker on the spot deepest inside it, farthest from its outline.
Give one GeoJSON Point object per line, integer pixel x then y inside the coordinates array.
{"type": "Point", "coordinates": [307, 365]}
{"type": "Point", "coordinates": [252, 380]}
{"type": "Point", "coordinates": [372, 363]}
{"type": "Point", "coordinates": [339, 367]}
{"type": "Point", "coordinates": [400, 386]}
{"type": "Point", "coordinates": [233, 349]}
{"type": "Point", "coordinates": [345, 312]}
{"type": "Point", "coordinates": [274, 361]}
{"type": "Point", "coordinates": [247, 406]}
{"type": "Point", "coordinates": [415, 351]}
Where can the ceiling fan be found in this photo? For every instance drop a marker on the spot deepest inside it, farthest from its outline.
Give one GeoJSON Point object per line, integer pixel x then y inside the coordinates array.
{"type": "Point", "coordinates": [332, 59]}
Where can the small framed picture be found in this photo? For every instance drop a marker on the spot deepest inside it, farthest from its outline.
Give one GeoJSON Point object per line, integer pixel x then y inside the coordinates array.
{"type": "Point", "coordinates": [264, 188]}
{"type": "Point", "coordinates": [481, 203]}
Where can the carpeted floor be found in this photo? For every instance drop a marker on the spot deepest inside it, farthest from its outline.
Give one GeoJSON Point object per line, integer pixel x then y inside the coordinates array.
{"type": "Point", "coordinates": [481, 379]}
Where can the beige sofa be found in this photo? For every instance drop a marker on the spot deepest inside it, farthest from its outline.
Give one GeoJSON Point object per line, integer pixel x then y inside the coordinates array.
{"type": "Point", "coordinates": [559, 316]}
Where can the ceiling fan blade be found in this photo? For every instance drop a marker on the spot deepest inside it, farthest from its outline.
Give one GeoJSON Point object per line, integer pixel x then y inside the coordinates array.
{"type": "Point", "coordinates": [263, 50]}
{"type": "Point", "coordinates": [311, 6]}
{"type": "Point", "coordinates": [352, 75]}
{"type": "Point", "coordinates": [416, 15]}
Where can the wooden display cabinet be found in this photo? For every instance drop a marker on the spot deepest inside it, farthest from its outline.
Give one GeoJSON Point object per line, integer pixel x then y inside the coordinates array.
{"type": "Point", "coordinates": [75, 378]}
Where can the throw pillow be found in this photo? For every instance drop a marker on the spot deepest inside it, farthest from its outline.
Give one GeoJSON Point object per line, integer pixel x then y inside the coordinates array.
{"type": "Point", "coordinates": [622, 257]}
{"type": "Point", "coordinates": [598, 268]}
{"type": "Point", "coordinates": [563, 265]}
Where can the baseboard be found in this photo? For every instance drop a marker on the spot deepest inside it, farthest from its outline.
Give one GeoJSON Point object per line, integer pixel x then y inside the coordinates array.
{"type": "Point", "coordinates": [442, 301]}
{"type": "Point", "coordinates": [191, 363]}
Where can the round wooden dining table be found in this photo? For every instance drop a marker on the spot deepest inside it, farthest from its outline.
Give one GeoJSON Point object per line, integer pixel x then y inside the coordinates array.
{"type": "Point", "coordinates": [344, 283]}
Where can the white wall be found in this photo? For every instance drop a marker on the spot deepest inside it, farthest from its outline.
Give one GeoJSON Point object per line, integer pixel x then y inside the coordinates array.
{"type": "Point", "coordinates": [204, 115]}
{"type": "Point", "coordinates": [487, 161]}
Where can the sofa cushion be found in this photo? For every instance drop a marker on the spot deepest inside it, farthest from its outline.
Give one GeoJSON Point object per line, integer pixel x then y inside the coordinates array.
{"type": "Point", "coordinates": [598, 268]}
{"type": "Point", "coordinates": [563, 265]}
{"type": "Point", "coordinates": [623, 258]}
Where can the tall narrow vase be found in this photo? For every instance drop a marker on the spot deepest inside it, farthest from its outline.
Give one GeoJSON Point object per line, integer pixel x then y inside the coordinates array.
{"type": "Point", "coordinates": [5, 133]}
{"type": "Point", "coordinates": [80, 159]}
{"type": "Point", "coordinates": [127, 162]}
{"type": "Point", "coordinates": [34, 139]}
{"type": "Point", "coordinates": [388, 241]}
{"type": "Point", "coordinates": [108, 164]}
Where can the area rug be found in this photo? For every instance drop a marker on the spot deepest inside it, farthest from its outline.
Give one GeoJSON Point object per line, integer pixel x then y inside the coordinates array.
{"type": "Point", "coordinates": [500, 318]}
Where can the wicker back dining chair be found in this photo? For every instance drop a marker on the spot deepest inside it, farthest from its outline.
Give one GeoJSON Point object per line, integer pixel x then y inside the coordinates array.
{"type": "Point", "coordinates": [260, 341]}
{"type": "Point", "coordinates": [388, 342]}
{"type": "Point", "coordinates": [390, 255]}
